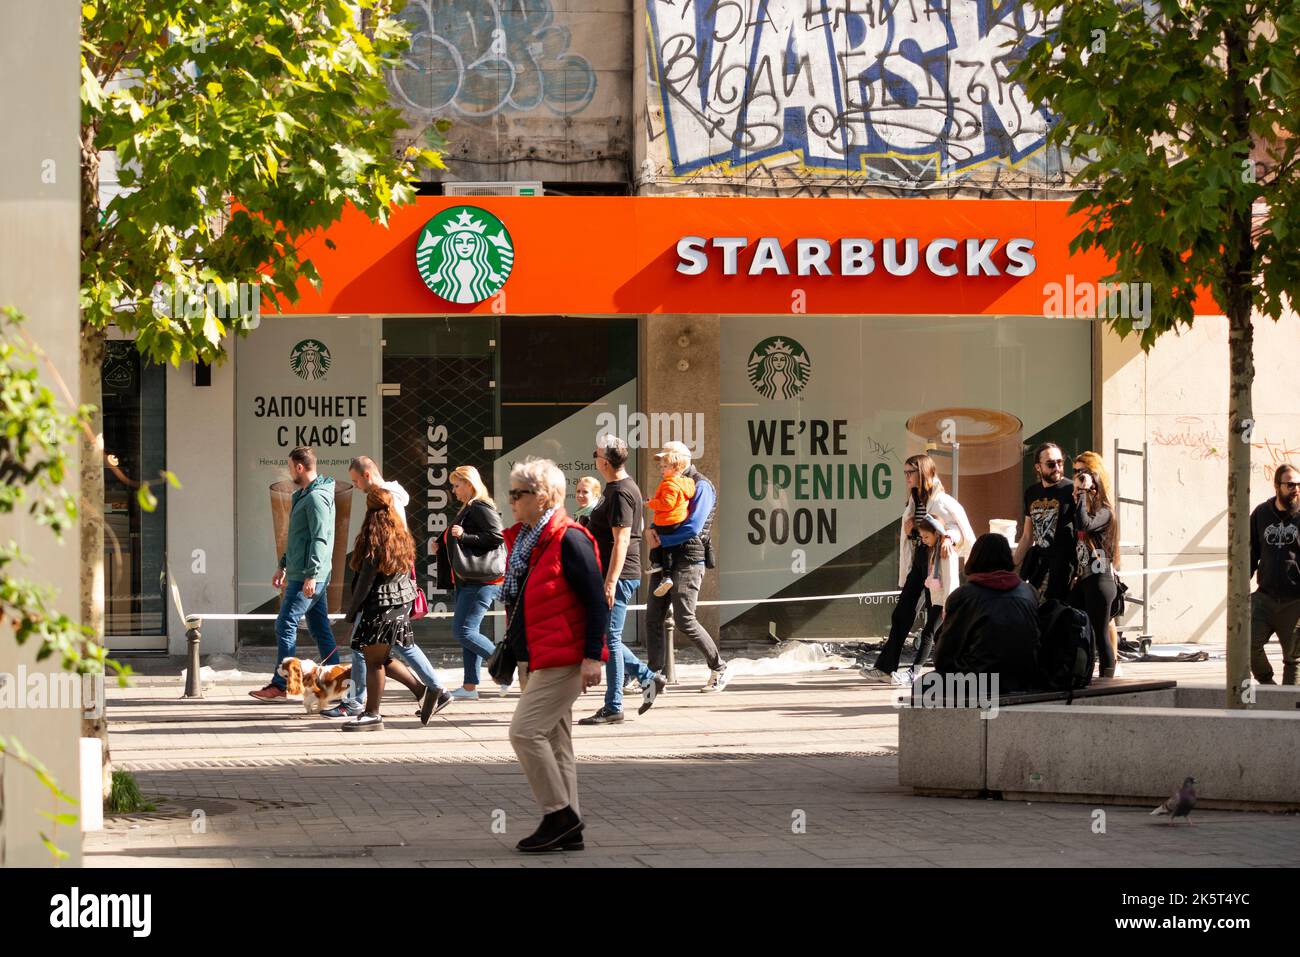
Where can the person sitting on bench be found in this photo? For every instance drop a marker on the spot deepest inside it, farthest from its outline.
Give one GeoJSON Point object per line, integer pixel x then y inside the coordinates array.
{"type": "Point", "coordinates": [990, 624]}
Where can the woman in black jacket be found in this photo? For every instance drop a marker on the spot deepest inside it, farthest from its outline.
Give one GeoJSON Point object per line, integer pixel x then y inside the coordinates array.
{"type": "Point", "coordinates": [477, 533]}
{"type": "Point", "coordinates": [1096, 546]}
{"type": "Point", "coordinates": [990, 624]}
{"type": "Point", "coordinates": [382, 594]}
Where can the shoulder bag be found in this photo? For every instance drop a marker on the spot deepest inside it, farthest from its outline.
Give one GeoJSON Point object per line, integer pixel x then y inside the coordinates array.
{"type": "Point", "coordinates": [475, 569]}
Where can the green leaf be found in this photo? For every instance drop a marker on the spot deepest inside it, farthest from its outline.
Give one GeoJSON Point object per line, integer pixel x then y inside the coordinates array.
{"type": "Point", "coordinates": [69, 820]}
{"type": "Point", "coordinates": [58, 853]}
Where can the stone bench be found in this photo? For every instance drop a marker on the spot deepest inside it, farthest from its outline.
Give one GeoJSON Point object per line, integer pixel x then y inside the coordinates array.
{"type": "Point", "coordinates": [1124, 743]}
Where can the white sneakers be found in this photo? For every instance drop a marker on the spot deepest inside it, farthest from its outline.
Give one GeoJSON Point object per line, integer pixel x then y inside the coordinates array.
{"type": "Point", "coordinates": [717, 680]}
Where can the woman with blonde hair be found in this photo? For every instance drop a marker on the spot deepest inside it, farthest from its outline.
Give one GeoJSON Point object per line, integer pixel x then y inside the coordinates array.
{"type": "Point", "coordinates": [1093, 462]}
{"type": "Point", "coordinates": [1096, 527]}
{"type": "Point", "coordinates": [471, 561]}
{"type": "Point", "coordinates": [382, 595]}
{"type": "Point", "coordinates": [926, 497]}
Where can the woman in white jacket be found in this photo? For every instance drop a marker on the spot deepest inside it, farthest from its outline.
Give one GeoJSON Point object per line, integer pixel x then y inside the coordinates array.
{"type": "Point", "coordinates": [925, 497]}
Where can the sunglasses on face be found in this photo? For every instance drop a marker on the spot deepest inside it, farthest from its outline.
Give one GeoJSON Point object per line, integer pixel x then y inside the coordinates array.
{"type": "Point", "coordinates": [517, 493]}
{"type": "Point", "coordinates": [1289, 485]}
{"type": "Point", "coordinates": [911, 471]}
{"type": "Point", "coordinates": [1052, 463]}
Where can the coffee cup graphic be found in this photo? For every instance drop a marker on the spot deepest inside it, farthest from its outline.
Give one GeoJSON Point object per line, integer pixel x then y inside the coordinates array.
{"type": "Point", "coordinates": [282, 506]}
{"type": "Point", "coordinates": [990, 447]}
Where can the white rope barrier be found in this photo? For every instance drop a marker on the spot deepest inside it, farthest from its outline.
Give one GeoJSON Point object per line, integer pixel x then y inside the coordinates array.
{"type": "Point", "coordinates": [1137, 573]}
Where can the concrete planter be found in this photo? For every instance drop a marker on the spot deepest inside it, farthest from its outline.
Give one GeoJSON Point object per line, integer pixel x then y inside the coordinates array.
{"type": "Point", "coordinates": [1123, 749]}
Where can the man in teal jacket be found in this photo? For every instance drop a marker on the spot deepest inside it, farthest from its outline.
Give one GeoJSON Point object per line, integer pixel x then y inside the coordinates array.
{"type": "Point", "coordinates": [304, 571]}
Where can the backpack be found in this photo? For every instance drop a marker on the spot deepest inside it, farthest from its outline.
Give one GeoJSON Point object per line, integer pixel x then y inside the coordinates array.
{"type": "Point", "coordinates": [1065, 649]}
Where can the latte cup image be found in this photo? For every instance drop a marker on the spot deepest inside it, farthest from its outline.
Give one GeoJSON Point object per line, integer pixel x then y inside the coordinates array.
{"type": "Point", "coordinates": [989, 459]}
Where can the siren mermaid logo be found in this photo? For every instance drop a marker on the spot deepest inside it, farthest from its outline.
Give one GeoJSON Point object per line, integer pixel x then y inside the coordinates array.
{"type": "Point", "coordinates": [779, 368]}
{"type": "Point", "coordinates": [310, 360]}
{"type": "Point", "coordinates": [464, 254]}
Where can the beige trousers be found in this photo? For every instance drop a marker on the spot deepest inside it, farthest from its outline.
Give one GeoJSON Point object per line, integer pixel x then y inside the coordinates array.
{"type": "Point", "coordinates": [541, 732]}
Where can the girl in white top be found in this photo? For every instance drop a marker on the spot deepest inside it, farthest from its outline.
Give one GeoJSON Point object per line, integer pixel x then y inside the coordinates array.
{"type": "Point", "coordinates": [954, 538]}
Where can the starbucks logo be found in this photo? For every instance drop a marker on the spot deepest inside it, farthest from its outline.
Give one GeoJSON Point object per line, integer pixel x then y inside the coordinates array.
{"type": "Point", "coordinates": [310, 360]}
{"type": "Point", "coordinates": [464, 254]}
{"type": "Point", "coordinates": [779, 368]}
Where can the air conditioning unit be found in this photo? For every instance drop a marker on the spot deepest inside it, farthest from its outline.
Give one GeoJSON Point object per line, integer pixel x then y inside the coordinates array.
{"type": "Point", "coordinates": [492, 189]}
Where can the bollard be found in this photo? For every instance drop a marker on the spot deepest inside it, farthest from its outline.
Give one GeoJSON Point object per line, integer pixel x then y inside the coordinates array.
{"type": "Point", "coordinates": [193, 680]}
{"type": "Point", "coordinates": [670, 657]}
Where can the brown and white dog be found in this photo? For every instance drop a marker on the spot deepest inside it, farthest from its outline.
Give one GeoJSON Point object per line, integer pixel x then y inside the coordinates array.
{"type": "Point", "coordinates": [320, 688]}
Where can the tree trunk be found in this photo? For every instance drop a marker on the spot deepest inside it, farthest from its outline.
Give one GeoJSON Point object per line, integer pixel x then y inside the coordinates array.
{"type": "Point", "coordinates": [1238, 296]}
{"type": "Point", "coordinates": [91, 512]}
{"type": "Point", "coordinates": [1240, 412]}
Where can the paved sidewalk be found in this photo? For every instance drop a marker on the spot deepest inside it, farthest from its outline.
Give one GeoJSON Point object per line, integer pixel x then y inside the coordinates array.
{"type": "Point", "coordinates": [785, 770]}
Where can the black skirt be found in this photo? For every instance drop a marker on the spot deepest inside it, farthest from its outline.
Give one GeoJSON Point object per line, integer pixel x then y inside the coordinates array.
{"type": "Point", "coordinates": [383, 625]}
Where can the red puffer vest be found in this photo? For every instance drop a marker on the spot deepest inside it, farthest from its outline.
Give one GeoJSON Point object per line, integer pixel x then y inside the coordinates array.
{"type": "Point", "coordinates": [555, 620]}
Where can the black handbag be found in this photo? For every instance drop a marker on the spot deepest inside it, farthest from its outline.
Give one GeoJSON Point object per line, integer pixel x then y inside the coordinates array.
{"type": "Point", "coordinates": [501, 663]}
{"type": "Point", "coordinates": [472, 568]}
{"type": "Point", "coordinates": [1119, 605]}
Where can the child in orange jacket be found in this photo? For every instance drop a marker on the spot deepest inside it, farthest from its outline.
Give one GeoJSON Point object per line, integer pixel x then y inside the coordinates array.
{"type": "Point", "coordinates": [671, 501]}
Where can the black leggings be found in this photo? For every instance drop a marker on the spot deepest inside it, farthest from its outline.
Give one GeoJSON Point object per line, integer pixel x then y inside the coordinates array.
{"type": "Point", "coordinates": [914, 592]}
{"type": "Point", "coordinates": [1093, 596]}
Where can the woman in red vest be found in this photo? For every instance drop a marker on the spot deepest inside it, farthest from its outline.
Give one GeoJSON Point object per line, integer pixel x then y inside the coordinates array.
{"type": "Point", "coordinates": [556, 615]}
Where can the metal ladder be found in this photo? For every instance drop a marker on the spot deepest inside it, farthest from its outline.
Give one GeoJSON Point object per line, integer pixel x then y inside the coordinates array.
{"type": "Point", "coordinates": [1138, 548]}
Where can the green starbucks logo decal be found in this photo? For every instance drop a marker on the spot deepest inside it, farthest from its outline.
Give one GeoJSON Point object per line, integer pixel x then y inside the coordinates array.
{"type": "Point", "coordinates": [309, 360]}
{"type": "Point", "coordinates": [779, 368]}
{"type": "Point", "coordinates": [464, 254]}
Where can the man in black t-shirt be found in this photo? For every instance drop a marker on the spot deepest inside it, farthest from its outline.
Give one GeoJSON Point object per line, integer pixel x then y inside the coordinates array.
{"type": "Point", "coordinates": [1275, 555]}
{"type": "Point", "coordinates": [616, 523]}
{"type": "Point", "coordinates": [1045, 547]}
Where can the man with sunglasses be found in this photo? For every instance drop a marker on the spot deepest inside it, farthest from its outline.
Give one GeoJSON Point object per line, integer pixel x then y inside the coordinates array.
{"type": "Point", "coordinates": [1275, 556]}
{"type": "Point", "coordinates": [1045, 548]}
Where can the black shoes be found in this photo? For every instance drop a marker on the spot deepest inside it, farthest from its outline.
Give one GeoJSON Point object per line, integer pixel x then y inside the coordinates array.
{"type": "Point", "coordinates": [434, 700]}
{"type": "Point", "coordinates": [603, 716]}
{"type": "Point", "coordinates": [656, 686]}
{"type": "Point", "coordinates": [559, 831]}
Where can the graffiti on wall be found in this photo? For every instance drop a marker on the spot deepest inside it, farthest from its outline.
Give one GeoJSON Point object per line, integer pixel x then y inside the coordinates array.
{"type": "Point", "coordinates": [844, 85]}
{"type": "Point", "coordinates": [478, 58]}
{"type": "Point", "coordinates": [1205, 440]}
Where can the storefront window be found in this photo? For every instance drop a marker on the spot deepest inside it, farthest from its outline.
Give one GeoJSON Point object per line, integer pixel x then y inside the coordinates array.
{"type": "Point", "coordinates": [474, 390]}
{"type": "Point", "coordinates": [135, 541]}
{"type": "Point", "coordinates": [818, 416]}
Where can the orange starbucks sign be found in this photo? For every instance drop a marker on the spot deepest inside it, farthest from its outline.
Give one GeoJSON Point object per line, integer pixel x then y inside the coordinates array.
{"type": "Point", "coordinates": [703, 255]}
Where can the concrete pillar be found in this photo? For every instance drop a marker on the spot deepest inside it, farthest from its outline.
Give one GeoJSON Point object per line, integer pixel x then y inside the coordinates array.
{"type": "Point", "coordinates": [201, 520]}
{"type": "Point", "coordinates": [39, 275]}
{"type": "Point", "coordinates": [680, 359]}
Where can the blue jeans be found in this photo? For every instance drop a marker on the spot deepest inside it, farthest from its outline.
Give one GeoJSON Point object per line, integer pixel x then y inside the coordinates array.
{"type": "Point", "coordinates": [293, 606]}
{"type": "Point", "coordinates": [620, 656]}
{"type": "Point", "coordinates": [412, 657]}
{"type": "Point", "coordinates": [472, 603]}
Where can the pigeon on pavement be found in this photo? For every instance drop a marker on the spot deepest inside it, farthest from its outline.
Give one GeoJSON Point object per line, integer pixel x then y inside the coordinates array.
{"type": "Point", "coordinates": [1181, 804]}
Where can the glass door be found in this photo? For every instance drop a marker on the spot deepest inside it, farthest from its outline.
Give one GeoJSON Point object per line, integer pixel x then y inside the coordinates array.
{"type": "Point", "coordinates": [135, 541]}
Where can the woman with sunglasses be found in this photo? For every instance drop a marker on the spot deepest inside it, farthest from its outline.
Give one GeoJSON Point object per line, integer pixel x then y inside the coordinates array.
{"type": "Point", "coordinates": [556, 619]}
{"type": "Point", "coordinates": [476, 533]}
{"type": "Point", "coordinates": [1096, 529]}
{"type": "Point", "coordinates": [925, 497]}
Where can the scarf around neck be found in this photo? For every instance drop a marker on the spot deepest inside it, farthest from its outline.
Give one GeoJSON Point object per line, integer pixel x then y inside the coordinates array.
{"type": "Point", "coordinates": [517, 567]}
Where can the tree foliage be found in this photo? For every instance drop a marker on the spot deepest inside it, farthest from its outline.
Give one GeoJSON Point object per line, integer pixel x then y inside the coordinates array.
{"type": "Point", "coordinates": [34, 433]}
{"type": "Point", "coordinates": [235, 128]}
{"type": "Point", "coordinates": [1187, 115]}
